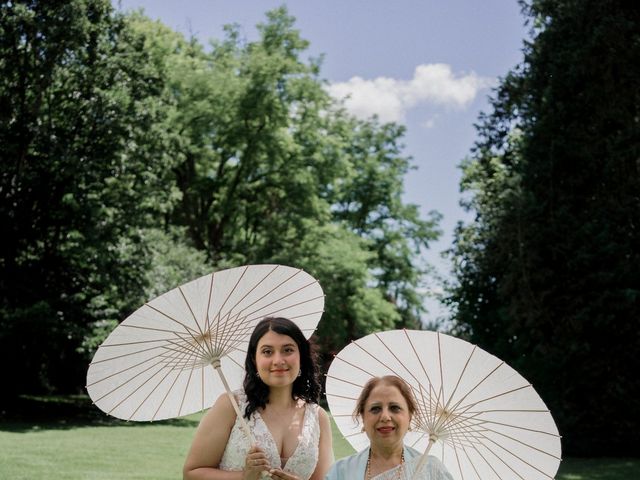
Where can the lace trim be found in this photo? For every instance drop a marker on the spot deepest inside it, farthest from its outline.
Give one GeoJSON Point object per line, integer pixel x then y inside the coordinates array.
{"type": "Point", "coordinates": [302, 461]}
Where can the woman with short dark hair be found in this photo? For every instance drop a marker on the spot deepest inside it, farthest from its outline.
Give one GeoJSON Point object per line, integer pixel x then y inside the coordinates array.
{"type": "Point", "coordinates": [385, 407]}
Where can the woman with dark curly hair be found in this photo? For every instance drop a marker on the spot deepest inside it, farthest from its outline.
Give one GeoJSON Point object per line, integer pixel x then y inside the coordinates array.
{"type": "Point", "coordinates": [280, 404]}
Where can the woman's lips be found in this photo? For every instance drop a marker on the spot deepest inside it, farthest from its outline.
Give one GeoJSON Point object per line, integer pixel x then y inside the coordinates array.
{"type": "Point", "coordinates": [386, 429]}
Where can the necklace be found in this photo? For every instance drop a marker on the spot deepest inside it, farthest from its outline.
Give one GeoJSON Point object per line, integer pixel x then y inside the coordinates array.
{"type": "Point", "coordinates": [398, 475]}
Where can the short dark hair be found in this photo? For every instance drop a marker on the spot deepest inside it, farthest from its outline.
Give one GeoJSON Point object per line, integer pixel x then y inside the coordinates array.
{"type": "Point", "coordinates": [306, 386]}
{"type": "Point", "coordinates": [391, 380]}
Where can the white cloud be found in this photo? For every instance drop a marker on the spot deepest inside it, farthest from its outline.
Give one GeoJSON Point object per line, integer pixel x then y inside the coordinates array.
{"type": "Point", "coordinates": [429, 123]}
{"type": "Point", "coordinates": [391, 99]}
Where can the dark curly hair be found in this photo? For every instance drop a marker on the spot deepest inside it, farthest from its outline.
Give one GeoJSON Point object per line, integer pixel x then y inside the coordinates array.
{"type": "Point", "coordinates": [306, 387]}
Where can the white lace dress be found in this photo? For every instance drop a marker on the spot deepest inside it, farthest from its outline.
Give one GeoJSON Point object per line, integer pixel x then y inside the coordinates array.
{"type": "Point", "coordinates": [303, 460]}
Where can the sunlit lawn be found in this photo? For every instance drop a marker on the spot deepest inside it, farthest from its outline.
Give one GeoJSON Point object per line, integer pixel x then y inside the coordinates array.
{"type": "Point", "coordinates": [85, 444]}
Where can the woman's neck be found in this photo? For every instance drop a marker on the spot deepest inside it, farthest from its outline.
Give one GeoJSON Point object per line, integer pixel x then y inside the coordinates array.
{"type": "Point", "coordinates": [281, 397]}
{"type": "Point", "coordinates": [392, 452]}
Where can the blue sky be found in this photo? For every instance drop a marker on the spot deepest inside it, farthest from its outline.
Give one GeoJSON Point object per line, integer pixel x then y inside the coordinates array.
{"type": "Point", "coordinates": [429, 64]}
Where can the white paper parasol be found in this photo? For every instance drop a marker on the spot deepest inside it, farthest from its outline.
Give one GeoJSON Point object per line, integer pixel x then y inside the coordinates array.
{"type": "Point", "coordinates": [178, 352]}
{"type": "Point", "coordinates": [476, 414]}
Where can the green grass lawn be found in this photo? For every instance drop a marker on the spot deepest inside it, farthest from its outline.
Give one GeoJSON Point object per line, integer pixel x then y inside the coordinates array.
{"type": "Point", "coordinates": [65, 440]}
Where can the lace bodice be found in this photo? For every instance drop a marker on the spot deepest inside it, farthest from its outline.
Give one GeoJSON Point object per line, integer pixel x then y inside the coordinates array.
{"type": "Point", "coordinates": [303, 460]}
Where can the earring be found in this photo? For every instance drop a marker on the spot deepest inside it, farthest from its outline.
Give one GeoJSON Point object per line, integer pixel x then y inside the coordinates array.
{"type": "Point", "coordinates": [300, 372]}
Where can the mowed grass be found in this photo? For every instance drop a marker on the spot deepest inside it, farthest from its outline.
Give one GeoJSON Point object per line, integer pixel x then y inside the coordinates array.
{"type": "Point", "coordinates": [79, 443]}
{"type": "Point", "coordinates": [99, 452]}
{"type": "Point", "coordinates": [68, 438]}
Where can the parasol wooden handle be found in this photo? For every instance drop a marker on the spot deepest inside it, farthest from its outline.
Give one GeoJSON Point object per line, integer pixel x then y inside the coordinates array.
{"type": "Point", "coordinates": [423, 459]}
{"type": "Point", "coordinates": [245, 427]}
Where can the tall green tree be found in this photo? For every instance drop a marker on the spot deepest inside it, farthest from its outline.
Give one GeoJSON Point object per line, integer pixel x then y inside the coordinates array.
{"type": "Point", "coordinates": [84, 172]}
{"type": "Point", "coordinates": [369, 202]}
{"type": "Point", "coordinates": [250, 173]}
{"type": "Point", "coordinates": [548, 273]}
{"type": "Point", "coordinates": [271, 169]}
{"type": "Point", "coordinates": [134, 159]}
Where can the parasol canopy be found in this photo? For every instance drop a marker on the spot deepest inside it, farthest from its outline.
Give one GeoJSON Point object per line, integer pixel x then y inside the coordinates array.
{"type": "Point", "coordinates": [178, 352]}
{"type": "Point", "coordinates": [475, 413]}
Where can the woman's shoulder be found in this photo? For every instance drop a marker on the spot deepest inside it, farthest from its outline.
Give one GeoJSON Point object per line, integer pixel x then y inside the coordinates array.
{"type": "Point", "coordinates": [225, 398]}
{"type": "Point", "coordinates": [316, 410]}
{"type": "Point", "coordinates": [239, 395]}
{"type": "Point", "coordinates": [354, 457]}
{"type": "Point", "coordinates": [221, 413]}
{"type": "Point", "coordinates": [435, 466]}
{"type": "Point", "coordinates": [313, 406]}
{"type": "Point", "coordinates": [348, 466]}
{"type": "Point", "coordinates": [410, 452]}
{"type": "Point", "coordinates": [321, 412]}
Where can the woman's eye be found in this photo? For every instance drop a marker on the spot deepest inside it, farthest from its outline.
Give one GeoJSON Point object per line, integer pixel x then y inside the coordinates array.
{"type": "Point", "coordinates": [374, 409]}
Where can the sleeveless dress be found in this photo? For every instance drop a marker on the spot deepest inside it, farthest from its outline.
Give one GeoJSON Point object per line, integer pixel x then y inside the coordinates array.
{"type": "Point", "coordinates": [304, 458]}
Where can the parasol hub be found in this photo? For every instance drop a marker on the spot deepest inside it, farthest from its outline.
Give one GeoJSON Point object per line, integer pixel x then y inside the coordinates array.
{"type": "Point", "coordinates": [443, 414]}
{"type": "Point", "coordinates": [215, 361]}
{"type": "Point", "coordinates": [204, 339]}
{"type": "Point", "coordinates": [444, 418]}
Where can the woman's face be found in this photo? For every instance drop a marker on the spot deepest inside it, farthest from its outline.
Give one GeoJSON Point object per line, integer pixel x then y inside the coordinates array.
{"type": "Point", "coordinates": [386, 416]}
{"type": "Point", "coordinates": [277, 359]}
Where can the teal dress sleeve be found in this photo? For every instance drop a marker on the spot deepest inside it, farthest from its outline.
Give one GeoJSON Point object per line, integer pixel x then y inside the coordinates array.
{"type": "Point", "coordinates": [433, 469]}
{"type": "Point", "coordinates": [349, 468]}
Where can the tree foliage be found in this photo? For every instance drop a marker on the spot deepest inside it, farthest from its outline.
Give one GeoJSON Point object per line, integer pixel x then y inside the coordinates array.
{"type": "Point", "coordinates": [84, 171]}
{"type": "Point", "coordinates": [272, 170]}
{"type": "Point", "coordinates": [547, 274]}
{"type": "Point", "coordinates": [135, 159]}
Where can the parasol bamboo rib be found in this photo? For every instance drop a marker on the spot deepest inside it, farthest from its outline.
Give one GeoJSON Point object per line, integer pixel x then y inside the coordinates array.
{"type": "Point", "coordinates": [173, 342]}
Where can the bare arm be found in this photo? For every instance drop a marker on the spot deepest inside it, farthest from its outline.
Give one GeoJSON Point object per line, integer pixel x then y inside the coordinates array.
{"type": "Point", "coordinates": [210, 442]}
{"type": "Point", "coordinates": [325, 455]}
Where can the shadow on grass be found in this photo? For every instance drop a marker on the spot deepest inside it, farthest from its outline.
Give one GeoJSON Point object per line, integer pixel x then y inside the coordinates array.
{"type": "Point", "coordinates": [28, 413]}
